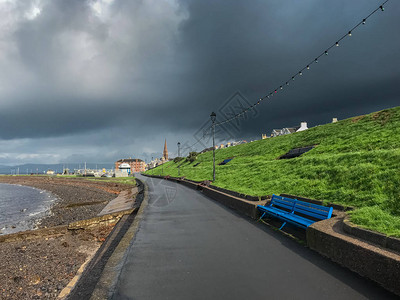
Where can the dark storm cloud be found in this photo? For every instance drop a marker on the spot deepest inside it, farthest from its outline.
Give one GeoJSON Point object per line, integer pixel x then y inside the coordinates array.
{"type": "Point", "coordinates": [255, 48]}
{"type": "Point", "coordinates": [88, 70]}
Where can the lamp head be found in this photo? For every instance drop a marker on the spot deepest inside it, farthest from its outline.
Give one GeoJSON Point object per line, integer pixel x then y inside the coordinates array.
{"type": "Point", "coordinates": [213, 117]}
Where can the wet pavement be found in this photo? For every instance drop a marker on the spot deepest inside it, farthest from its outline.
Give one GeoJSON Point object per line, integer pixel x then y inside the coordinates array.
{"type": "Point", "coordinates": [190, 247]}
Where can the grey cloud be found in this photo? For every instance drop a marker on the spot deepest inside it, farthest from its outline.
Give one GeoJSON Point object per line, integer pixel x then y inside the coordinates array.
{"type": "Point", "coordinates": [146, 70]}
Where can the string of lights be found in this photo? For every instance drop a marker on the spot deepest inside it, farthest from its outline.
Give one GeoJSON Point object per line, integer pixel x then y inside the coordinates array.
{"type": "Point", "coordinates": [304, 69]}
{"type": "Point", "coordinates": [206, 132]}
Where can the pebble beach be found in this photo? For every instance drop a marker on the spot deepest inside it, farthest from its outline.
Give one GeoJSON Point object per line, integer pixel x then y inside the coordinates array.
{"type": "Point", "coordinates": [41, 267]}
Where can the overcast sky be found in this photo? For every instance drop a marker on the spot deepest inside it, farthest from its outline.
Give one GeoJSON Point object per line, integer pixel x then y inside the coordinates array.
{"type": "Point", "coordinates": [102, 80]}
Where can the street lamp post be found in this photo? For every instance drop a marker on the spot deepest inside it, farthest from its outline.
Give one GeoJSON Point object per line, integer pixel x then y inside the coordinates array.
{"type": "Point", "coordinates": [179, 155]}
{"type": "Point", "coordinates": [213, 117]}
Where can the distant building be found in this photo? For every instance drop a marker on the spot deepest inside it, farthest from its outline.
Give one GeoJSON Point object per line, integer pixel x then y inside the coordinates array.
{"type": "Point", "coordinates": [289, 130]}
{"type": "Point", "coordinates": [230, 144]}
{"type": "Point", "coordinates": [334, 120]}
{"type": "Point", "coordinates": [303, 126]}
{"type": "Point", "coordinates": [128, 166]}
{"type": "Point", "coordinates": [152, 164]}
{"type": "Point", "coordinates": [276, 132]}
{"type": "Point", "coordinates": [165, 152]}
{"type": "Point", "coordinates": [159, 161]}
{"type": "Point", "coordinates": [50, 172]}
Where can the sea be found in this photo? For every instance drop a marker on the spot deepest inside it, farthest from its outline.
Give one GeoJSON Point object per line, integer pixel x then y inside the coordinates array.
{"type": "Point", "coordinates": [22, 206]}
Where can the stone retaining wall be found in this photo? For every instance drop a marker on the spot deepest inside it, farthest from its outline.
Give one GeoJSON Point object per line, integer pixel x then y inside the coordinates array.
{"type": "Point", "coordinates": [239, 195]}
{"type": "Point", "coordinates": [382, 266]}
{"type": "Point", "coordinates": [246, 207]}
{"type": "Point", "coordinates": [371, 236]}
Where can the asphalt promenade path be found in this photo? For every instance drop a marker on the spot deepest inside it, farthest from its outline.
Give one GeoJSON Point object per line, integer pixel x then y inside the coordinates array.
{"type": "Point", "coordinates": [190, 247]}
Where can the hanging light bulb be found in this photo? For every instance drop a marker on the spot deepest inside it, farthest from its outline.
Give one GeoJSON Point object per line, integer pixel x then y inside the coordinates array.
{"type": "Point", "coordinates": [308, 67]}
{"type": "Point", "coordinates": [363, 21]}
{"type": "Point", "coordinates": [316, 60]}
{"type": "Point", "coordinates": [326, 52]}
{"type": "Point", "coordinates": [287, 83]}
{"type": "Point", "coordinates": [275, 91]}
{"type": "Point", "coordinates": [300, 73]}
{"type": "Point", "coordinates": [292, 77]}
{"type": "Point", "coordinates": [382, 8]}
{"type": "Point", "coordinates": [349, 33]}
{"type": "Point", "coordinates": [281, 87]}
{"type": "Point", "coordinates": [337, 44]}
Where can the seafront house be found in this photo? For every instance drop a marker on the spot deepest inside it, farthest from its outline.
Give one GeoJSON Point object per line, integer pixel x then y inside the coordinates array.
{"type": "Point", "coordinates": [125, 167]}
{"type": "Point", "coordinates": [289, 130]}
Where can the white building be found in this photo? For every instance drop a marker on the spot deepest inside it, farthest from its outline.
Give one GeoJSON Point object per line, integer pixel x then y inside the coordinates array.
{"type": "Point", "coordinates": [289, 130]}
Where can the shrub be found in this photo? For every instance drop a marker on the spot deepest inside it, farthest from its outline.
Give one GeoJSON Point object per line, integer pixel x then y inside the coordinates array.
{"type": "Point", "coordinates": [192, 156]}
{"type": "Point", "coordinates": [177, 159]}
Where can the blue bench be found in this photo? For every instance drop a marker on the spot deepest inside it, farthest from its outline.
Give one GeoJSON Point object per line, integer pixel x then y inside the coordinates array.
{"type": "Point", "coordinates": [296, 212]}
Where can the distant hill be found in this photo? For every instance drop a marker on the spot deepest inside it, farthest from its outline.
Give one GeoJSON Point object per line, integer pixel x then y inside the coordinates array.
{"type": "Point", "coordinates": [355, 162]}
{"type": "Point", "coordinates": [41, 168]}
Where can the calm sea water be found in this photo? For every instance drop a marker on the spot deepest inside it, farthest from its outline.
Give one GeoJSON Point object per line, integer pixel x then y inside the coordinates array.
{"type": "Point", "coordinates": [21, 206]}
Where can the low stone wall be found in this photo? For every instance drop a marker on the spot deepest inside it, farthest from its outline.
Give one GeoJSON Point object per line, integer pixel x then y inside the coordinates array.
{"type": "Point", "coordinates": [33, 234]}
{"type": "Point", "coordinates": [239, 195]}
{"type": "Point", "coordinates": [191, 184]}
{"type": "Point", "coordinates": [100, 221]}
{"type": "Point", "coordinates": [371, 236]}
{"type": "Point", "coordinates": [246, 207]}
{"type": "Point", "coordinates": [380, 265]}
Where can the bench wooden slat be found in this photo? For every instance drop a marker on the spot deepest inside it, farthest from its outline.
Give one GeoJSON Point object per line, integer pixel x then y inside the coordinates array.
{"type": "Point", "coordinates": [312, 205]}
{"type": "Point", "coordinates": [284, 204]}
{"type": "Point", "coordinates": [295, 211]}
{"type": "Point", "coordinates": [316, 213]}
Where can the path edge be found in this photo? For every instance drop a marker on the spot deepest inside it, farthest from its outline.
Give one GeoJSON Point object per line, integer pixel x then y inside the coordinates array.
{"type": "Point", "coordinates": [106, 285]}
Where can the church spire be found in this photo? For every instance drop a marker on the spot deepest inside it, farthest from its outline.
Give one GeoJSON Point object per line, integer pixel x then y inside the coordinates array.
{"type": "Point", "coordinates": [165, 152]}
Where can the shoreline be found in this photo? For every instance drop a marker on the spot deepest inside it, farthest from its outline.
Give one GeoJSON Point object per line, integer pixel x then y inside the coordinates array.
{"type": "Point", "coordinates": [33, 219]}
{"type": "Point", "coordinates": [42, 266]}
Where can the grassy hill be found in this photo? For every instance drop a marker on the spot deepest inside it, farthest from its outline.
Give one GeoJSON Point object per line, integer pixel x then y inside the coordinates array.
{"type": "Point", "coordinates": [356, 162]}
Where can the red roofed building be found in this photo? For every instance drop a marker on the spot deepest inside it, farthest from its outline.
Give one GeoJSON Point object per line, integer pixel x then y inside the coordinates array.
{"type": "Point", "coordinates": [131, 165]}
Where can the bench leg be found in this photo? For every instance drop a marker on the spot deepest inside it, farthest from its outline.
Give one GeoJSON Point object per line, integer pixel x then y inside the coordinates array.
{"type": "Point", "coordinates": [261, 216]}
{"type": "Point", "coordinates": [284, 223]}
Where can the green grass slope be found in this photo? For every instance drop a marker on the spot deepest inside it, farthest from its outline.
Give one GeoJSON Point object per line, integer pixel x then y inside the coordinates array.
{"type": "Point", "coordinates": [356, 162]}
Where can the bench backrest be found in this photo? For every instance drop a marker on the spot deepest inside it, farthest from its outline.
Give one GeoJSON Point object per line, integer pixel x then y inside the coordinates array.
{"type": "Point", "coordinates": [300, 207]}
{"type": "Point", "coordinates": [283, 202]}
{"type": "Point", "coordinates": [313, 210]}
